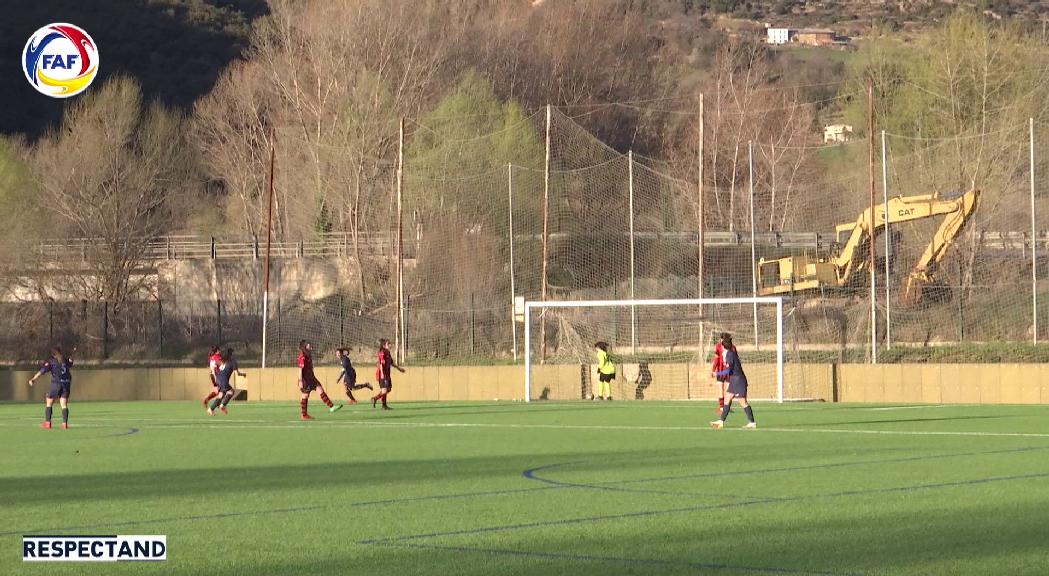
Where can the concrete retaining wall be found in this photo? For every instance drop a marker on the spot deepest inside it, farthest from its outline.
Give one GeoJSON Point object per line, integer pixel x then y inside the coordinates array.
{"type": "Point", "coordinates": [928, 383]}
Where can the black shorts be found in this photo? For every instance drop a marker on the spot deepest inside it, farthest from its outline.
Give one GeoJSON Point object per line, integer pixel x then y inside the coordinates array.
{"type": "Point", "coordinates": [386, 383]}
{"type": "Point", "coordinates": [224, 388]}
{"type": "Point", "coordinates": [309, 385]}
{"type": "Point", "coordinates": [738, 388]}
{"type": "Point", "coordinates": [606, 377]}
{"type": "Point", "coordinates": [59, 390]}
{"type": "Point", "coordinates": [350, 379]}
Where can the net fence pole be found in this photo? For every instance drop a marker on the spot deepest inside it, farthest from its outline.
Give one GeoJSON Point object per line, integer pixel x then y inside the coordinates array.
{"type": "Point", "coordinates": [779, 349]}
{"type": "Point", "coordinates": [701, 229]}
{"type": "Point", "coordinates": [885, 210]}
{"type": "Point", "coordinates": [633, 295]}
{"type": "Point", "coordinates": [513, 286]}
{"type": "Point", "coordinates": [1034, 246]}
{"type": "Point", "coordinates": [753, 253]}
{"type": "Point", "coordinates": [528, 351]}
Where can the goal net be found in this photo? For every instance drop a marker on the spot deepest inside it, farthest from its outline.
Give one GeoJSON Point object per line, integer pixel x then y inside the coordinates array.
{"type": "Point", "coordinates": [662, 349]}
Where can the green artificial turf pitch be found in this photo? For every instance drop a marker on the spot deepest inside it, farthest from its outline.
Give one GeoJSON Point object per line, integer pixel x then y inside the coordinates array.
{"type": "Point", "coordinates": [543, 488]}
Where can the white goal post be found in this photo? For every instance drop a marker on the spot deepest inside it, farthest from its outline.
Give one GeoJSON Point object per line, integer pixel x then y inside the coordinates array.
{"type": "Point", "coordinates": [532, 308]}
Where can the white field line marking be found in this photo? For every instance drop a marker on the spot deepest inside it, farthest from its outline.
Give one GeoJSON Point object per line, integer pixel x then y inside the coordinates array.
{"type": "Point", "coordinates": [295, 424]}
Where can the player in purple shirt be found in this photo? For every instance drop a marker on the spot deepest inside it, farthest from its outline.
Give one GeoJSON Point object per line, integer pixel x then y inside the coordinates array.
{"type": "Point", "coordinates": [737, 384]}
{"type": "Point", "coordinates": [60, 368]}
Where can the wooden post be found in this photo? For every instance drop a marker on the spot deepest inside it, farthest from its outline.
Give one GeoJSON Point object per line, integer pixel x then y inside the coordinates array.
{"type": "Point", "coordinates": [398, 338]}
{"type": "Point", "coordinates": [872, 231]}
{"type": "Point", "coordinates": [105, 330]}
{"type": "Point", "coordinates": [160, 328]}
{"type": "Point", "coordinates": [269, 242]}
{"type": "Point", "coordinates": [546, 229]}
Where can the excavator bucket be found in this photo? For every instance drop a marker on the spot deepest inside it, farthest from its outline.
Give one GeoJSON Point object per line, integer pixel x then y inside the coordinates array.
{"type": "Point", "coordinates": [921, 284]}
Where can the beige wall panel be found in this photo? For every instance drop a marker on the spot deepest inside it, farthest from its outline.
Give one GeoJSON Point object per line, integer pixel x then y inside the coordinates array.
{"type": "Point", "coordinates": [969, 383]}
{"type": "Point", "coordinates": [911, 377]}
{"type": "Point", "coordinates": [506, 382]}
{"type": "Point", "coordinates": [1044, 381]}
{"type": "Point", "coordinates": [453, 383]}
{"type": "Point", "coordinates": [894, 386]}
{"type": "Point", "coordinates": [989, 377]}
{"type": "Point", "coordinates": [950, 383]}
{"type": "Point", "coordinates": [929, 376]}
{"type": "Point", "coordinates": [417, 384]}
{"type": "Point", "coordinates": [853, 382]}
{"type": "Point", "coordinates": [1030, 383]}
{"type": "Point", "coordinates": [1010, 390]}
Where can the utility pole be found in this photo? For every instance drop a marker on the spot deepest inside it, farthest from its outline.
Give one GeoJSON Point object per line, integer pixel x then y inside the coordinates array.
{"type": "Point", "coordinates": [872, 224]}
{"type": "Point", "coordinates": [269, 241]}
{"type": "Point", "coordinates": [702, 215]}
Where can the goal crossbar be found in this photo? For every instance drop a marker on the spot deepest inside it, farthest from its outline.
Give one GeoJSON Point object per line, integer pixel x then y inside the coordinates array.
{"type": "Point", "coordinates": [531, 305]}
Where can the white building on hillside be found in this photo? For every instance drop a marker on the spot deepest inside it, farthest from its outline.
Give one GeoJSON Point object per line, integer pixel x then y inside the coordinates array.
{"type": "Point", "coordinates": [837, 133]}
{"type": "Point", "coordinates": [779, 35]}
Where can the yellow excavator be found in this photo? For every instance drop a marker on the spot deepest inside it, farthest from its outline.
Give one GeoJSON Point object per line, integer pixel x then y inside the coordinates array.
{"type": "Point", "coordinates": [806, 273]}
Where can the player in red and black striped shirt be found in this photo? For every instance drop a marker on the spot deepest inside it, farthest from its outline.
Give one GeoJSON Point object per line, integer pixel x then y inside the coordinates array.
{"type": "Point", "coordinates": [382, 373]}
{"type": "Point", "coordinates": [308, 381]}
{"type": "Point", "coordinates": [717, 365]}
{"type": "Point", "coordinates": [214, 359]}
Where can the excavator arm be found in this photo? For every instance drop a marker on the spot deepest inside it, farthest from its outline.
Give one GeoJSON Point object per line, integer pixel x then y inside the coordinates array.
{"type": "Point", "coordinates": [803, 273]}
{"type": "Point", "coordinates": [949, 229]}
{"type": "Point", "coordinates": [854, 256]}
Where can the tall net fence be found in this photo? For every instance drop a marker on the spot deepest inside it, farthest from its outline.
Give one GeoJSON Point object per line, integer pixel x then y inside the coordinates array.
{"type": "Point", "coordinates": [506, 204]}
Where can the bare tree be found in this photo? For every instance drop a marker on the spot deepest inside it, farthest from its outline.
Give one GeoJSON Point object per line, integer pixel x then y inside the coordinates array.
{"type": "Point", "coordinates": [118, 171]}
{"type": "Point", "coordinates": [748, 101]}
{"type": "Point", "coordinates": [331, 82]}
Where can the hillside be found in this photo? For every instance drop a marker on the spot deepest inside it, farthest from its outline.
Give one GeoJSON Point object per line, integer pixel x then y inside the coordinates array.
{"type": "Point", "coordinates": [856, 17]}
{"type": "Point", "coordinates": [175, 48]}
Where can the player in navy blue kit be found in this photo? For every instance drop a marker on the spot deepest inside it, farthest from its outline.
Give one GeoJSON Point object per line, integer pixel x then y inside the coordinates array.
{"type": "Point", "coordinates": [737, 384]}
{"type": "Point", "coordinates": [60, 368]}
{"type": "Point", "coordinates": [348, 376]}
{"type": "Point", "coordinates": [227, 368]}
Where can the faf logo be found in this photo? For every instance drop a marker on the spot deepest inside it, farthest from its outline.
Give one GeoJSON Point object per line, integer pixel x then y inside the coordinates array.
{"type": "Point", "coordinates": [60, 60]}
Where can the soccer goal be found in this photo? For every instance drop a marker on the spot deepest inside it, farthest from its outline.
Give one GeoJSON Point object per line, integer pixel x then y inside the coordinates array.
{"type": "Point", "coordinates": [662, 349]}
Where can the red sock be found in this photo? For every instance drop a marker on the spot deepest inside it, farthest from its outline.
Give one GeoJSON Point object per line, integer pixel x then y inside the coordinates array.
{"type": "Point", "coordinates": [302, 405]}
{"type": "Point", "coordinates": [325, 399]}
{"type": "Point", "coordinates": [212, 395]}
{"type": "Point", "coordinates": [721, 402]}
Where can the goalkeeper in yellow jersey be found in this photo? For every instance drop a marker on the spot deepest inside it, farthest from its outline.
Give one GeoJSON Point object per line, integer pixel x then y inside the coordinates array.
{"type": "Point", "coordinates": [606, 371]}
